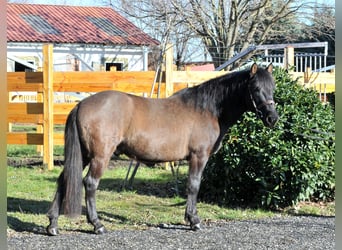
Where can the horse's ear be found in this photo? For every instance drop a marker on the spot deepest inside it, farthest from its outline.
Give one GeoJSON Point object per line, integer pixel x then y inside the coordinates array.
{"type": "Point", "coordinates": [270, 68]}
{"type": "Point", "coordinates": [254, 69]}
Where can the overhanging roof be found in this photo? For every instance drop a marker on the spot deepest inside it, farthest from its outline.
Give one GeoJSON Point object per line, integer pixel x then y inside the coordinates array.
{"type": "Point", "coordinates": [72, 24]}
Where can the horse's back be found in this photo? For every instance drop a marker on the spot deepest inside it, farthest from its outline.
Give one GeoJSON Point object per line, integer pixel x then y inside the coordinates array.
{"type": "Point", "coordinates": [104, 106]}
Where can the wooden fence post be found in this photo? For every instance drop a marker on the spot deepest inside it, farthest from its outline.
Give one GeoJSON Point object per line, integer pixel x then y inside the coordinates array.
{"type": "Point", "coordinates": [288, 57]}
{"type": "Point", "coordinates": [168, 70]}
{"type": "Point", "coordinates": [168, 77]}
{"type": "Point", "coordinates": [307, 74]}
{"type": "Point", "coordinates": [48, 105]}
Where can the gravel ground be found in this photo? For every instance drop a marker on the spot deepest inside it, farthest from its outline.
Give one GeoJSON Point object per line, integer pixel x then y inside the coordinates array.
{"type": "Point", "coordinates": [289, 232]}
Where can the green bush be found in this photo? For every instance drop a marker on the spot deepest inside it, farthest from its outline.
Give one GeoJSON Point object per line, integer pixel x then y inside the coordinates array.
{"type": "Point", "coordinates": [258, 166]}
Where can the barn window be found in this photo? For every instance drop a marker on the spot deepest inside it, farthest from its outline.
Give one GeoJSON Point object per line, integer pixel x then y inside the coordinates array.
{"type": "Point", "coordinates": [117, 66]}
{"type": "Point", "coordinates": [18, 67]}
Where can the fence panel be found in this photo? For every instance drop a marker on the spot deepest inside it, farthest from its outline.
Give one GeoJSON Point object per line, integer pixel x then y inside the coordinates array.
{"type": "Point", "coordinates": [302, 61]}
{"type": "Point", "coordinates": [139, 83]}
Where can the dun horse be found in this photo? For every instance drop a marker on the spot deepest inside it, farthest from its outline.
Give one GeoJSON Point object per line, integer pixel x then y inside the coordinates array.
{"type": "Point", "coordinates": [188, 125]}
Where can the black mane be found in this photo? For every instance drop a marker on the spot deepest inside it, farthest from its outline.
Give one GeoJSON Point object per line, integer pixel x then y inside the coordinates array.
{"type": "Point", "coordinates": [212, 94]}
{"type": "Point", "coordinates": [225, 96]}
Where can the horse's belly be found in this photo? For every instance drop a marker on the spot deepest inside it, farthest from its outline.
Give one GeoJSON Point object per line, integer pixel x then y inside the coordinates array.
{"type": "Point", "coordinates": [152, 148]}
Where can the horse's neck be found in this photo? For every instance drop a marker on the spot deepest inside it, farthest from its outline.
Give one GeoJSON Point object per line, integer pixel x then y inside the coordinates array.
{"type": "Point", "coordinates": [233, 109]}
{"type": "Point", "coordinates": [225, 122]}
{"type": "Point", "coordinates": [230, 118]}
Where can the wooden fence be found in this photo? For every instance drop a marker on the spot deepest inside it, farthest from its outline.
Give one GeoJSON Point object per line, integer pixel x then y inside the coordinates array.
{"type": "Point", "coordinates": [322, 82]}
{"type": "Point", "coordinates": [45, 113]}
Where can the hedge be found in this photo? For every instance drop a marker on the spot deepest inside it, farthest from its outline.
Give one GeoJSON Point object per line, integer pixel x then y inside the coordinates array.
{"type": "Point", "coordinates": [271, 168]}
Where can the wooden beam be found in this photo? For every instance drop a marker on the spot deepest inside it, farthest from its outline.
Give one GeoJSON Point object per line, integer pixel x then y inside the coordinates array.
{"type": "Point", "coordinates": [25, 113]}
{"type": "Point", "coordinates": [289, 57]}
{"type": "Point", "coordinates": [104, 77]}
{"type": "Point", "coordinates": [23, 138]}
{"type": "Point", "coordinates": [48, 105]}
{"type": "Point", "coordinates": [168, 70]}
{"type": "Point", "coordinates": [195, 77]}
{"type": "Point", "coordinates": [61, 112]}
{"type": "Point", "coordinates": [58, 138]}
{"type": "Point", "coordinates": [25, 81]}
{"type": "Point", "coordinates": [25, 108]}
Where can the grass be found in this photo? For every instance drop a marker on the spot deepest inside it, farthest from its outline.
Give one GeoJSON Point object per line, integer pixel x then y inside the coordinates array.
{"type": "Point", "coordinates": [151, 202]}
{"type": "Point", "coordinates": [23, 151]}
{"type": "Point", "coordinates": [16, 127]}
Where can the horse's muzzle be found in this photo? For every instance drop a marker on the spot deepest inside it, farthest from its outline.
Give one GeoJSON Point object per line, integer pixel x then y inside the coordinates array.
{"type": "Point", "coordinates": [271, 119]}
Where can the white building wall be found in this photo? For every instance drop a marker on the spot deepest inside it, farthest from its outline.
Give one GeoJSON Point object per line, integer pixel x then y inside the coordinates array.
{"type": "Point", "coordinates": [71, 57]}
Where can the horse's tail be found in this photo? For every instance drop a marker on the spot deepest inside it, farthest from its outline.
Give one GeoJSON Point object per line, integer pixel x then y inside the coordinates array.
{"type": "Point", "coordinates": [71, 177]}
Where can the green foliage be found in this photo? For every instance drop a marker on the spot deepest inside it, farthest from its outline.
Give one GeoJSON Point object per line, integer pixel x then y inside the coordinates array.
{"type": "Point", "coordinates": [292, 162]}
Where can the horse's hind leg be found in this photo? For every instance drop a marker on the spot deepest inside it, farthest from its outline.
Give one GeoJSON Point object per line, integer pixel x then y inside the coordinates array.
{"type": "Point", "coordinates": [91, 182]}
{"type": "Point", "coordinates": [54, 210]}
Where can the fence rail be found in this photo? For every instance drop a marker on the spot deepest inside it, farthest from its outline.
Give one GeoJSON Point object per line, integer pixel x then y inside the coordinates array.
{"type": "Point", "coordinates": [45, 113]}
{"type": "Point", "coordinates": [302, 61]}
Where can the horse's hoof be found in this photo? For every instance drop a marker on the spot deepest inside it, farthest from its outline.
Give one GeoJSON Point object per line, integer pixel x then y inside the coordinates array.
{"type": "Point", "coordinates": [52, 231]}
{"type": "Point", "coordinates": [101, 230]}
{"type": "Point", "coordinates": [196, 227]}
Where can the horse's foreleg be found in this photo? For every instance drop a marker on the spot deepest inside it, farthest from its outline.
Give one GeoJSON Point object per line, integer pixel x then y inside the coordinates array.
{"type": "Point", "coordinates": [196, 166]}
{"type": "Point", "coordinates": [91, 182]}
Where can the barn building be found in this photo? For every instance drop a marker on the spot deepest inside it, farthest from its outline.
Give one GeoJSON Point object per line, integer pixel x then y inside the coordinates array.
{"type": "Point", "coordinates": [84, 38]}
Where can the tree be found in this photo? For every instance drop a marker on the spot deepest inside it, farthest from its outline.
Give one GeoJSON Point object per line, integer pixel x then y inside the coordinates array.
{"type": "Point", "coordinates": [321, 27]}
{"type": "Point", "coordinates": [229, 26]}
{"type": "Point", "coordinates": [158, 19]}
{"type": "Point", "coordinates": [225, 27]}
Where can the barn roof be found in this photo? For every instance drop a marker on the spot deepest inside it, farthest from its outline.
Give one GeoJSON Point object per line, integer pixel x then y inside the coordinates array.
{"type": "Point", "coordinates": [72, 24]}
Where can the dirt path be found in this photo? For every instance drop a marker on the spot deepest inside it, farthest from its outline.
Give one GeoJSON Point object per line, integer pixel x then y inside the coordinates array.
{"type": "Point", "coordinates": [284, 232]}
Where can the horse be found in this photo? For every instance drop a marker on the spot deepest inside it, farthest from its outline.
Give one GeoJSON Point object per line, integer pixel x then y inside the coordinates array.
{"type": "Point", "coordinates": [188, 125]}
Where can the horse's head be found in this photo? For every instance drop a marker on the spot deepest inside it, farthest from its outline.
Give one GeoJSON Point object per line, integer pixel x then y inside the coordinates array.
{"type": "Point", "coordinates": [260, 94]}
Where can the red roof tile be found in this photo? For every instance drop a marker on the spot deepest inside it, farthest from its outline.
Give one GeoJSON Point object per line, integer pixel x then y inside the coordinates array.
{"type": "Point", "coordinates": [71, 24]}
